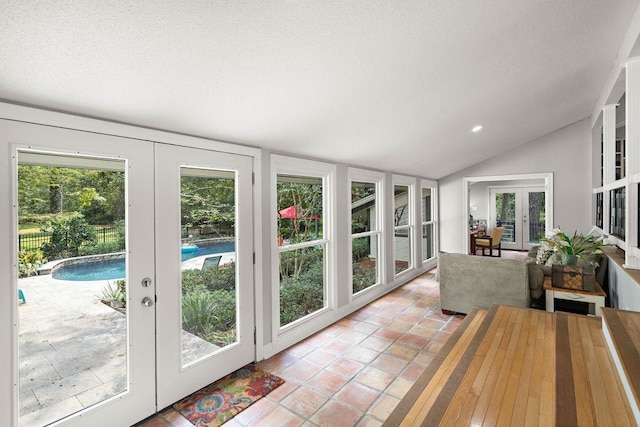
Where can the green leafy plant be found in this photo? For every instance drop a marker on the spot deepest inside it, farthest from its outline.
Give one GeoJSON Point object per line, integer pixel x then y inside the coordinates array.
{"type": "Point", "coordinates": [28, 262]}
{"type": "Point", "coordinates": [578, 244]}
{"type": "Point", "coordinates": [210, 315]}
{"type": "Point", "coordinates": [115, 291]}
{"type": "Point", "coordinates": [68, 234]}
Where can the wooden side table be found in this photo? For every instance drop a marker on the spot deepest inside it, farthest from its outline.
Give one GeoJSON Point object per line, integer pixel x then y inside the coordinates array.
{"type": "Point", "coordinates": [595, 299]}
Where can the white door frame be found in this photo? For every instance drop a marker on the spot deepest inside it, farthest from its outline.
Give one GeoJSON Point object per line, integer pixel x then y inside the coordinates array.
{"type": "Point", "coordinates": [135, 403]}
{"type": "Point", "coordinates": [468, 181]}
{"type": "Point", "coordinates": [176, 379]}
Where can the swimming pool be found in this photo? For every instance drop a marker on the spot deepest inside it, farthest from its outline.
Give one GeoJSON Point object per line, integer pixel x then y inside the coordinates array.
{"type": "Point", "coordinates": [113, 267]}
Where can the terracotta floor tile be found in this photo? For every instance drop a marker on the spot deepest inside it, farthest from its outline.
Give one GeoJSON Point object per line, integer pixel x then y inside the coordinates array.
{"type": "Point", "coordinates": [374, 378]}
{"type": "Point", "coordinates": [409, 318]}
{"type": "Point", "coordinates": [442, 336]}
{"type": "Point", "coordinates": [413, 371]}
{"type": "Point", "coordinates": [280, 417]}
{"type": "Point", "coordinates": [431, 323]}
{"type": "Point", "coordinates": [357, 395]}
{"type": "Point", "coordinates": [390, 364]}
{"type": "Point", "coordinates": [437, 315]}
{"type": "Point", "coordinates": [337, 346]}
{"type": "Point", "coordinates": [387, 333]}
{"type": "Point", "coordinates": [335, 330]}
{"type": "Point", "coordinates": [277, 362]}
{"type": "Point", "coordinates": [402, 351]}
{"type": "Point", "coordinates": [319, 339]}
{"type": "Point", "coordinates": [424, 358]}
{"type": "Point", "coordinates": [361, 354]}
{"type": "Point", "coordinates": [423, 332]}
{"type": "Point", "coordinates": [433, 347]}
{"type": "Point", "coordinates": [377, 320]}
{"type": "Point", "coordinates": [176, 419]}
{"type": "Point", "coordinates": [346, 322]}
{"type": "Point", "coordinates": [304, 401]}
{"type": "Point", "coordinates": [283, 391]}
{"type": "Point", "coordinates": [376, 343]}
{"type": "Point", "coordinates": [399, 326]}
{"type": "Point", "coordinates": [368, 421]}
{"type": "Point", "coordinates": [366, 327]}
{"type": "Point", "coordinates": [345, 367]}
{"type": "Point", "coordinates": [300, 350]}
{"type": "Point", "coordinates": [327, 382]}
{"type": "Point", "coordinates": [336, 414]}
{"type": "Point", "coordinates": [156, 421]}
{"type": "Point", "coordinates": [352, 336]}
{"type": "Point", "coordinates": [413, 340]}
{"type": "Point", "coordinates": [321, 357]}
{"type": "Point", "coordinates": [399, 387]}
{"type": "Point", "coordinates": [384, 406]}
{"type": "Point", "coordinates": [358, 315]}
{"type": "Point", "coordinates": [300, 370]}
{"type": "Point", "coordinates": [413, 310]}
{"type": "Point", "coordinates": [259, 408]}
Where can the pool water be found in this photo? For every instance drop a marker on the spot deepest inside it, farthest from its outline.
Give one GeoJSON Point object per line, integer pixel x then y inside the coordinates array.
{"type": "Point", "coordinates": [112, 269]}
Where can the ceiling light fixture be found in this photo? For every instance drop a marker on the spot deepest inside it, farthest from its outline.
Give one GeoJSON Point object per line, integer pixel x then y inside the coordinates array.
{"type": "Point", "coordinates": [476, 128]}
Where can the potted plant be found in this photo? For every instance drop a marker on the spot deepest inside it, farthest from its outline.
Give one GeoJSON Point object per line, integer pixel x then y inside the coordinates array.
{"type": "Point", "coordinates": [573, 248]}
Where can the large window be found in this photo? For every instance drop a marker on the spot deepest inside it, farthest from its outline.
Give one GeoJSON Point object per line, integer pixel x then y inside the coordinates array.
{"type": "Point", "coordinates": [599, 210]}
{"type": "Point", "coordinates": [403, 223]}
{"type": "Point", "coordinates": [302, 238]}
{"type": "Point", "coordinates": [428, 240]}
{"type": "Point", "coordinates": [366, 229]}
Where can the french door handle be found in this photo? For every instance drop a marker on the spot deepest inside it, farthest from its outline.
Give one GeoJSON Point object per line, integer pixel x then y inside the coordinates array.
{"type": "Point", "coordinates": [146, 302]}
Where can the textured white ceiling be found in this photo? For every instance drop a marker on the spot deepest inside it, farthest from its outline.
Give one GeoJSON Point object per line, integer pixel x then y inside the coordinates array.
{"type": "Point", "coordinates": [389, 85]}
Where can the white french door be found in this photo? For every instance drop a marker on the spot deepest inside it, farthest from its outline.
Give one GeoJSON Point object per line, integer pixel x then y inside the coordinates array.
{"type": "Point", "coordinates": [521, 211]}
{"type": "Point", "coordinates": [71, 358]}
{"type": "Point", "coordinates": [191, 352]}
{"type": "Point", "coordinates": [78, 361]}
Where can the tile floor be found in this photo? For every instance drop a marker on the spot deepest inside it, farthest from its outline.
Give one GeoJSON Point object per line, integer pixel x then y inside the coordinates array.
{"type": "Point", "coordinates": [355, 371]}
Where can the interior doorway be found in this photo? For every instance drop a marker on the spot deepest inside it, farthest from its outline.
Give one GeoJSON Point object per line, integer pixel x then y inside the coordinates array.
{"type": "Point", "coordinates": [534, 206]}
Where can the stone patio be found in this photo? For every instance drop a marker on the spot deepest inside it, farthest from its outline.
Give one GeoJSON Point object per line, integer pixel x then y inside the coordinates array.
{"type": "Point", "coordinates": [73, 348]}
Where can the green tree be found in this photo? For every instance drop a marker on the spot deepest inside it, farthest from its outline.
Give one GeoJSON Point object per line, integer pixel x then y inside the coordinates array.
{"type": "Point", "coordinates": [68, 233]}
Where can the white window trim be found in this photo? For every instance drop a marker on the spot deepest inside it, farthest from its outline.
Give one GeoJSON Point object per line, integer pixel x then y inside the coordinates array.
{"type": "Point", "coordinates": [410, 182]}
{"type": "Point", "coordinates": [377, 178]}
{"type": "Point", "coordinates": [284, 336]}
{"type": "Point", "coordinates": [433, 185]}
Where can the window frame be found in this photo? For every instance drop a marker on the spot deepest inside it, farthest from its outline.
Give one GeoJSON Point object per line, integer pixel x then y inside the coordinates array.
{"type": "Point", "coordinates": [286, 165]}
{"type": "Point", "coordinates": [410, 227]}
{"type": "Point", "coordinates": [433, 185]}
{"type": "Point", "coordinates": [378, 179]}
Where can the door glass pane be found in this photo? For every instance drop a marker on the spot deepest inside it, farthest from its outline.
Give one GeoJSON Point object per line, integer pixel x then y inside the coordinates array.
{"type": "Point", "coordinates": [365, 262]}
{"type": "Point", "coordinates": [302, 284]}
{"type": "Point", "coordinates": [72, 317]}
{"type": "Point", "coordinates": [506, 215]}
{"type": "Point", "coordinates": [363, 207]}
{"type": "Point", "coordinates": [427, 242]}
{"type": "Point", "coordinates": [537, 222]}
{"type": "Point", "coordinates": [208, 254]}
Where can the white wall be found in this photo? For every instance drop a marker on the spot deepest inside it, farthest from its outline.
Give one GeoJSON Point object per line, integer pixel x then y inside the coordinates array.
{"type": "Point", "coordinates": [566, 153]}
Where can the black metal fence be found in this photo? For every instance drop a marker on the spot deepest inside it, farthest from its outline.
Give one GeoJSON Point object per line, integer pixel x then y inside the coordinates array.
{"type": "Point", "coordinates": [33, 241]}
{"type": "Point", "coordinates": [536, 231]}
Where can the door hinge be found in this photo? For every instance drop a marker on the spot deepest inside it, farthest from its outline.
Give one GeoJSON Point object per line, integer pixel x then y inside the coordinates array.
{"type": "Point", "coordinates": [254, 258]}
{"type": "Point", "coordinates": [253, 178]}
{"type": "Point", "coordinates": [255, 336]}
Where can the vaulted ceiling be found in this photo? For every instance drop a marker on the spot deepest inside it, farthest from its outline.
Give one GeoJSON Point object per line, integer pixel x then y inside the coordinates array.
{"type": "Point", "coordinates": [390, 85]}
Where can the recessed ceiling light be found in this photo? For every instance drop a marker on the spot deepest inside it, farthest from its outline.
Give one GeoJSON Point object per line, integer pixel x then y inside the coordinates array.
{"type": "Point", "coordinates": [476, 128]}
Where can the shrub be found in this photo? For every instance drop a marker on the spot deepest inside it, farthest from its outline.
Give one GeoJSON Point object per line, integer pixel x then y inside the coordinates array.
{"type": "Point", "coordinates": [28, 262]}
{"type": "Point", "coordinates": [302, 295]}
{"type": "Point", "coordinates": [68, 233]}
{"type": "Point", "coordinates": [212, 279]}
{"type": "Point", "coordinates": [363, 277]}
{"type": "Point", "coordinates": [100, 248]}
{"type": "Point", "coordinates": [360, 248]}
{"type": "Point", "coordinates": [210, 315]}
{"type": "Point", "coordinates": [115, 291]}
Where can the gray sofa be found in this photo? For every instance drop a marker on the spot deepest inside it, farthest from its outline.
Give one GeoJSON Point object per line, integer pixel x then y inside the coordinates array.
{"type": "Point", "coordinates": [468, 281]}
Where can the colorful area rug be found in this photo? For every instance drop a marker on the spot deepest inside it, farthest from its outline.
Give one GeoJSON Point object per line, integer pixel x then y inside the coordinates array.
{"type": "Point", "coordinates": [224, 399]}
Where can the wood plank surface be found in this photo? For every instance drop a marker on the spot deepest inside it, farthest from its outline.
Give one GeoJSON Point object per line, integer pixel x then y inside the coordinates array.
{"type": "Point", "coordinates": [514, 366]}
